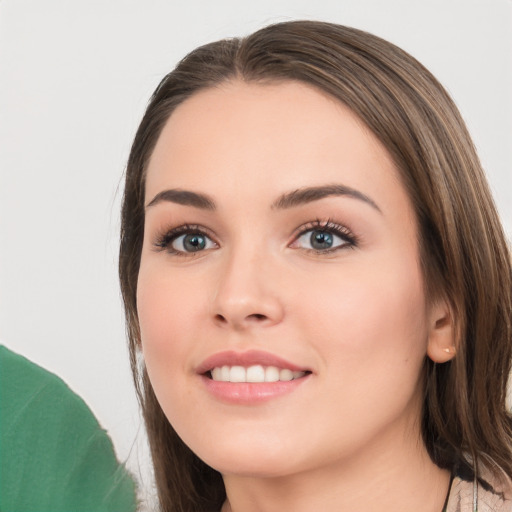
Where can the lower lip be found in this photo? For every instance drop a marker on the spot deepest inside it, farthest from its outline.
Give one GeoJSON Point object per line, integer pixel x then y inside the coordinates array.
{"type": "Point", "coordinates": [247, 393]}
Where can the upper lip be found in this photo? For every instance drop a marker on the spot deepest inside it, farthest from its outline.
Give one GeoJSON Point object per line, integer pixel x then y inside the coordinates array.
{"type": "Point", "coordinates": [247, 358]}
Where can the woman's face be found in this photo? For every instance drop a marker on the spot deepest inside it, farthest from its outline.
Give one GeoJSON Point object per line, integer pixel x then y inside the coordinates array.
{"type": "Point", "coordinates": [280, 243]}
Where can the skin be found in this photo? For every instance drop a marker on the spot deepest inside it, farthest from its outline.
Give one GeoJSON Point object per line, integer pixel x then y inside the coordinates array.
{"type": "Point", "coordinates": [348, 438]}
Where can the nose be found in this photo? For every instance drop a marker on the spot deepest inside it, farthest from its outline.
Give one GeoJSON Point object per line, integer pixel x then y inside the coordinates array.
{"type": "Point", "coordinates": [247, 293]}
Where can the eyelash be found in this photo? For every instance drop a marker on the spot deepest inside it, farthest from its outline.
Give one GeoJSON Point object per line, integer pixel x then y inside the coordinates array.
{"type": "Point", "coordinates": [328, 226]}
{"type": "Point", "coordinates": [165, 240]}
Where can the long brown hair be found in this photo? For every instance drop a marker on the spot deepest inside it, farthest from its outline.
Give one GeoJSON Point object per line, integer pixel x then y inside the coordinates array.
{"type": "Point", "coordinates": [464, 254]}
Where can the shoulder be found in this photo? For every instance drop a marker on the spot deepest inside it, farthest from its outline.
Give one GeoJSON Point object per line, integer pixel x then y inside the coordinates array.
{"type": "Point", "coordinates": [485, 494]}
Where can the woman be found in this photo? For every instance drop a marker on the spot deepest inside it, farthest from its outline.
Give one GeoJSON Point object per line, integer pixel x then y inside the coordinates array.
{"type": "Point", "coordinates": [317, 281]}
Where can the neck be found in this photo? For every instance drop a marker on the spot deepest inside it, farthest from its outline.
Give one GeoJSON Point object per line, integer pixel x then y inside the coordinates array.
{"type": "Point", "coordinates": [400, 478]}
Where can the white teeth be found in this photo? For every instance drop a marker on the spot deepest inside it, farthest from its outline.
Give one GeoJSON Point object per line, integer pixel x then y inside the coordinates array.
{"type": "Point", "coordinates": [285, 374]}
{"type": "Point", "coordinates": [271, 374]}
{"type": "Point", "coordinates": [256, 373]}
{"type": "Point", "coordinates": [237, 374]}
{"type": "Point", "coordinates": [217, 373]}
{"type": "Point", "coordinates": [224, 376]}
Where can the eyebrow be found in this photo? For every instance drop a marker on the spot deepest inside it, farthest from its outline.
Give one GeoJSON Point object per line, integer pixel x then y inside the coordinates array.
{"type": "Point", "coordinates": [288, 200]}
{"type": "Point", "coordinates": [309, 194]}
{"type": "Point", "coordinates": [184, 197]}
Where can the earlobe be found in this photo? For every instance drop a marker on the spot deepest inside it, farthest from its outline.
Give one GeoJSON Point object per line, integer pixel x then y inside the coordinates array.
{"type": "Point", "coordinates": [441, 339]}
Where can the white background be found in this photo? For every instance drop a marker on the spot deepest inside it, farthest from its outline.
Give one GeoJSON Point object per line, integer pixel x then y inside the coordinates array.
{"type": "Point", "coordinates": [75, 76]}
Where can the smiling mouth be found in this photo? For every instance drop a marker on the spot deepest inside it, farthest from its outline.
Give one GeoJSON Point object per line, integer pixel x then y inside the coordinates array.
{"type": "Point", "coordinates": [254, 374]}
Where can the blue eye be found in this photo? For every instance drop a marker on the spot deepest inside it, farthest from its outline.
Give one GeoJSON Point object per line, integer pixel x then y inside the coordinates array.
{"type": "Point", "coordinates": [191, 242]}
{"type": "Point", "coordinates": [326, 237]}
{"type": "Point", "coordinates": [185, 240]}
{"type": "Point", "coordinates": [320, 240]}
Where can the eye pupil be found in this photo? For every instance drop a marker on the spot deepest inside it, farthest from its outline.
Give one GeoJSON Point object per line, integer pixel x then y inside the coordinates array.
{"type": "Point", "coordinates": [194, 242]}
{"type": "Point", "coordinates": [321, 240]}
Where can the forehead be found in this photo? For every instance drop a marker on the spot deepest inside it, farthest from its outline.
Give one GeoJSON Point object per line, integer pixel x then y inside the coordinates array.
{"type": "Point", "coordinates": [264, 138]}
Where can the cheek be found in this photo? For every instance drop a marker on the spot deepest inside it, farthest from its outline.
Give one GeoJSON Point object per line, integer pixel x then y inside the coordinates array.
{"type": "Point", "coordinates": [166, 312]}
{"type": "Point", "coordinates": [372, 338]}
{"type": "Point", "coordinates": [166, 309]}
{"type": "Point", "coordinates": [370, 318]}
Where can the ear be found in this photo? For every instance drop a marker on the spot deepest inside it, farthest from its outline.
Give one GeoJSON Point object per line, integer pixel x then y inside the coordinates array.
{"type": "Point", "coordinates": [441, 336]}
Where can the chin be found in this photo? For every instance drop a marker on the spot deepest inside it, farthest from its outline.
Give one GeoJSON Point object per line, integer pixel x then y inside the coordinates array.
{"type": "Point", "coordinates": [260, 468]}
{"type": "Point", "coordinates": [250, 459]}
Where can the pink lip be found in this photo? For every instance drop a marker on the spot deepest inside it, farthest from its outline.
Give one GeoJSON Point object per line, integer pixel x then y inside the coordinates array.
{"type": "Point", "coordinates": [248, 393]}
{"type": "Point", "coordinates": [248, 358]}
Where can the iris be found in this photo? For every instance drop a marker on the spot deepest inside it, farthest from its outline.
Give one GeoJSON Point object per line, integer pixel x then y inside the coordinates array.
{"type": "Point", "coordinates": [194, 242]}
{"type": "Point", "coordinates": [321, 240]}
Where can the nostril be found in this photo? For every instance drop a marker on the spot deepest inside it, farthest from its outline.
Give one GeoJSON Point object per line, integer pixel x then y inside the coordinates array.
{"type": "Point", "coordinates": [220, 319]}
{"type": "Point", "coordinates": [256, 317]}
